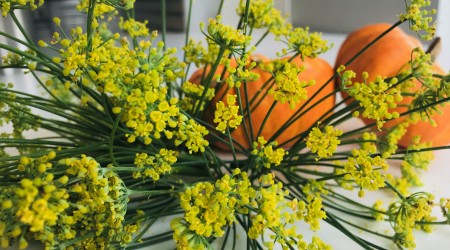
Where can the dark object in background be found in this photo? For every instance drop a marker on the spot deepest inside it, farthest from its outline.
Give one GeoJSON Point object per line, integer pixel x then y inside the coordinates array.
{"type": "Point", "coordinates": [151, 10]}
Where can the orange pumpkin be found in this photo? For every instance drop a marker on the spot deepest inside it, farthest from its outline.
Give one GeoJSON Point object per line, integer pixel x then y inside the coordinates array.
{"type": "Point", "coordinates": [385, 58]}
{"type": "Point", "coordinates": [316, 69]}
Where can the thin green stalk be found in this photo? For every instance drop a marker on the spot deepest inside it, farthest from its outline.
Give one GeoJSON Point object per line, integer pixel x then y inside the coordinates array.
{"type": "Point", "coordinates": [20, 27]}
{"type": "Point", "coordinates": [164, 23]}
{"type": "Point", "coordinates": [266, 118]}
{"type": "Point", "coordinates": [208, 80]}
{"type": "Point", "coordinates": [31, 57]}
{"type": "Point", "coordinates": [44, 86]}
{"type": "Point", "coordinates": [262, 37]}
{"type": "Point", "coordinates": [400, 195]}
{"type": "Point", "coordinates": [90, 21]}
{"type": "Point", "coordinates": [219, 11]}
{"type": "Point", "coordinates": [247, 130]}
{"type": "Point", "coordinates": [231, 145]}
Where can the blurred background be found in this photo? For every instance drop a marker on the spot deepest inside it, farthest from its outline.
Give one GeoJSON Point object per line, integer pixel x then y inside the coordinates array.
{"type": "Point", "coordinates": [334, 18]}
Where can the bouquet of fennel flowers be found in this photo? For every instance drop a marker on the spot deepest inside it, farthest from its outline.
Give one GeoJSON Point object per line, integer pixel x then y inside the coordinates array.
{"type": "Point", "coordinates": [126, 141]}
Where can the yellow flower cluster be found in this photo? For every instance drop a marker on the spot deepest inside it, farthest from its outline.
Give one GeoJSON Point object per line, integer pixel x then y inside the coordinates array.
{"type": "Point", "coordinates": [227, 115]}
{"type": "Point", "coordinates": [134, 79]}
{"type": "Point", "coordinates": [406, 213]}
{"type": "Point", "coordinates": [271, 215]}
{"type": "Point", "coordinates": [14, 113]}
{"type": "Point", "coordinates": [243, 70]}
{"type": "Point", "coordinates": [419, 18]}
{"type": "Point", "coordinates": [192, 134]}
{"type": "Point", "coordinates": [134, 28]}
{"type": "Point", "coordinates": [421, 68]}
{"type": "Point", "coordinates": [377, 98]}
{"type": "Point", "coordinates": [416, 161]}
{"type": "Point", "coordinates": [32, 205]}
{"type": "Point", "coordinates": [378, 212]}
{"type": "Point", "coordinates": [288, 86]}
{"type": "Point", "coordinates": [193, 92]}
{"type": "Point", "coordinates": [365, 171]}
{"type": "Point", "coordinates": [265, 153]}
{"type": "Point", "coordinates": [8, 5]}
{"type": "Point", "coordinates": [100, 9]}
{"type": "Point", "coordinates": [211, 207]}
{"type": "Point", "coordinates": [85, 205]}
{"type": "Point", "coordinates": [444, 203]}
{"type": "Point", "coordinates": [155, 165]}
{"type": "Point", "coordinates": [149, 114]}
{"type": "Point", "coordinates": [369, 142]}
{"type": "Point", "coordinates": [262, 14]}
{"type": "Point", "coordinates": [99, 199]}
{"type": "Point", "coordinates": [314, 189]}
{"type": "Point", "coordinates": [194, 53]}
{"type": "Point", "coordinates": [392, 138]}
{"type": "Point", "coordinates": [301, 42]}
{"type": "Point", "coordinates": [226, 36]}
{"type": "Point", "coordinates": [324, 143]}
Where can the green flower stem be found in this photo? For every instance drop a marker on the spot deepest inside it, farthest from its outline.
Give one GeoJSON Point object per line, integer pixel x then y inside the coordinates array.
{"type": "Point", "coordinates": [364, 228]}
{"type": "Point", "coordinates": [164, 24]}
{"type": "Point", "coordinates": [47, 64]}
{"type": "Point", "coordinates": [443, 100]}
{"type": "Point", "coordinates": [188, 26]}
{"type": "Point", "coordinates": [349, 62]}
{"type": "Point", "coordinates": [293, 165]}
{"type": "Point", "coordinates": [77, 239]}
{"type": "Point", "coordinates": [345, 200]}
{"type": "Point", "coordinates": [245, 21]}
{"type": "Point", "coordinates": [233, 152]}
{"type": "Point", "coordinates": [20, 27]}
{"type": "Point", "coordinates": [32, 46]}
{"type": "Point", "coordinates": [217, 136]}
{"type": "Point", "coordinates": [373, 42]}
{"type": "Point", "coordinates": [270, 81]}
{"type": "Point", "coordinates": [267, 85]}
{"type": "Point", "coordinates": [55, 105]}
{"type": "Point", "coordinates": [59, 109]}
{"type": "Point", "coordinates": [208, 80]}
{"type": "Point", "coordinates": [90, 20]}
{"type": "Point", "coordinates": [444, 222]}
{"type": "Point", "coordinates": [225, 239]}
{"type": "Point", "coordinates": [266, 118]}
{"type": "Point", "coordinates": [234, 237]}
{"type": "Point", "coordinates": [262, 37]}
{"type": "Point", "coordinates": [331, 219]}
{"type": "Point", "coordinates": [150, 241]}
{"type": "Point", "coordinates": [219, 10]}
{"type": "Point", "coordinates": [389, 185]}
{"type": "Point", "coordinates": [112, 137]}
{"type": "Point", "coordinates": [36, 142]}
{"type": "Point", "coordinates": [411, 151]}
{"type": "Point", "coordinates": [151, 192]}
{"type": "Point", "coordinates": [297, 116]}
{"type": "Point", "coordinates": [342, 115]}
{"type": "Point", "coordinates": [24, 68]}
{"type": "Point", "coordinates": [218, 162]}
{"type": "Point", "coordinates": [44, 86]}
{"type": "Point", "coordinates": [247, 130]}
